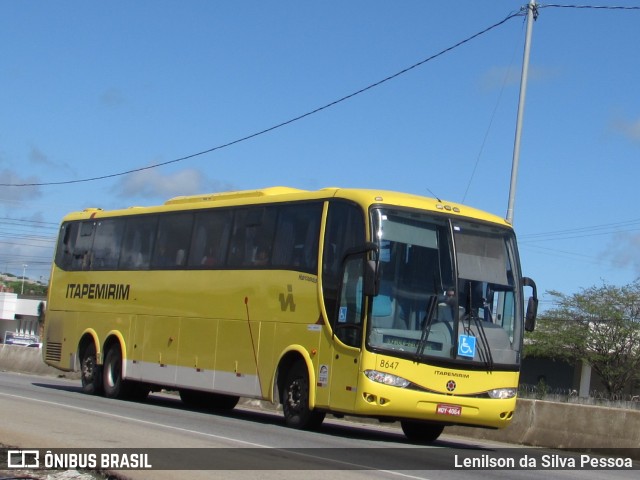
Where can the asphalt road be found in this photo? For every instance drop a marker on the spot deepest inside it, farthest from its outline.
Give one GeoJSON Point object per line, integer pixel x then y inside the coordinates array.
{"type": "Point", "coordinates": [52, 413]}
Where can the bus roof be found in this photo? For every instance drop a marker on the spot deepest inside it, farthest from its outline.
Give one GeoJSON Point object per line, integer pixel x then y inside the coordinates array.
{"type": "Point", "coordinates": [279, 194]}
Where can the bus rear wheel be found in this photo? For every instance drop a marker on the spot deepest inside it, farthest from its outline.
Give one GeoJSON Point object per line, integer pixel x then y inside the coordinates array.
{"type": "Point", "coordinates": [114, 385]}
{"type": "Point", "coordinates": [421, 432]}
{"type": "Point", "coordinates": [295, 400]}
{"type": "Point", "coordinates": [112, 374]}
{"type": "Point", "coordinates": [90, 371]}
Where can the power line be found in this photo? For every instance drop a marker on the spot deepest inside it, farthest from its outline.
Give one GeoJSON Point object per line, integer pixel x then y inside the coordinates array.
{"type": "Point", "coordinates": [33, 260]}
{"type": "Point", "coordinates": [554, 252]}
{"type": "Point", "coordinates": [279, 125]}
{"type": "Point", "coordinates": [593, 7]}
{"type": "Point", "coordinates": [493, 114]}
{"type": "Point", "coordinates": [26, 230]}
{"type": "Point", "coordinates": [22, 244]}
{"type": "Point", "coordinates": [14, 221]}
{"type": "Point", "coordinates": [20, 236]}
{"type": "Point", "coordinates": [531, 242]}
{"type": "Point", "coordinates": [602, 229]}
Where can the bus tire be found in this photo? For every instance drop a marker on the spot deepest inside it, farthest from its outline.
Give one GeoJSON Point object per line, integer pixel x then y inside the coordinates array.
{"type": "Point", "coordinates": [295, 400]}
{"type": "Point", "coordinates": [421, 432]}
{"type": "Point", "coordinates": [113, 384]}
{"type": "Point", "coordinates": [90, 371]}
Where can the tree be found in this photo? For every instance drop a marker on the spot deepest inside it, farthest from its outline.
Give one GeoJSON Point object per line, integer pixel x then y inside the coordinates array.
{"type": "Point", "coordinates": [599, 326]}
{"type": "Point", "coordinates": [30, 288]}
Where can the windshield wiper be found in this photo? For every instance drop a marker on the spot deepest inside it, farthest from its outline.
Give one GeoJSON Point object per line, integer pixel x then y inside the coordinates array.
{"type": "Point", "coordinates": [484, 352]}
{"type": "Point", "coordinates": [426, 326]}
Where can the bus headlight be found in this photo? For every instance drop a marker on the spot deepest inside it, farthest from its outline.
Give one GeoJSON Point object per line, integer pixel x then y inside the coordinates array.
{"type": "Point", "coordinates": [502, 393]}
{"type": "Point", "coordinates": [386, 378]}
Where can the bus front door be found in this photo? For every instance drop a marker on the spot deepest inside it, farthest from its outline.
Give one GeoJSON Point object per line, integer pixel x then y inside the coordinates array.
{"type": "Point", "coordinates": [347, 338]}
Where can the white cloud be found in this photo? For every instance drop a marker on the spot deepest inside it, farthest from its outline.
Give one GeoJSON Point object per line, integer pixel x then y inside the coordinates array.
{"type": "Point", "coordinates": [41, 160]}
{"type": "Point", "coordinates": [629, 128]}
{"type": "Point", "coordinates": [153, 184]}
{"type": "Point", "coordinates": [497, 77]}
{"type": "Point", "coordinates": [623, 251]}
{"type": "Point", "coordinates": [112, 97]}
{"type": "Point", "coordinates": [37, 156]}
{"type": "Point", "coordinates": [12, 195]}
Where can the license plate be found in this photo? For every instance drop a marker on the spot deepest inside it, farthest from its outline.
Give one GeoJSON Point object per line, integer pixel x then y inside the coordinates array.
{"type": "Point", "coordinates": [443, 409]}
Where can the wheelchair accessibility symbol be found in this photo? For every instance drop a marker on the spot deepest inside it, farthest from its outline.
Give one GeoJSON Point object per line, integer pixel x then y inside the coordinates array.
{"type": "Point", "coordinates": [466, 346]}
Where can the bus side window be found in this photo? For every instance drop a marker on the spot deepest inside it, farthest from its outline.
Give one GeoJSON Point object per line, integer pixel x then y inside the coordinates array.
{"type": "Point", "coordinates": [296, 239]}
{"type": "Point", "coordinates": [252, 240]}
{"type": "Point", "coordinates": [82, 251]}
{"type": "Point", "coordinates": [106, 245]}
{"type": "Point", "coordinates": [237, 243]}
{"type": "Point", "coordinates": [172, 242]}
{"type": "Point", "coordinates": [210, 239]}
{"type": "Point", "coordinates": [66, 245]}
{"type": "Point", "coordinates": [284, 242]}
{"type": "Point", "coordinates": [306, 253]}
{"type": "Point", "coordinates": [138, 241]}
{"type": "Point", "coordinates": [199, 246]}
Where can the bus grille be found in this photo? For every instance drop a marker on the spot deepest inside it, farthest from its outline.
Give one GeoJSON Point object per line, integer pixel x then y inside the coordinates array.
{"type": "Point", "coordinates": [53, 352]}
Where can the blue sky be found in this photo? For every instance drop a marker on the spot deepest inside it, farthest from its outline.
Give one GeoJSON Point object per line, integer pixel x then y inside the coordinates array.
{"type": "Point", "coordinates": [97, 88]}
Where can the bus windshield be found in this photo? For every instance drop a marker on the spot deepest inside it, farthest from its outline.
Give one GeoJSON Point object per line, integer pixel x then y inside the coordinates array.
{"type": "Point", "coordinates": [447, 291]}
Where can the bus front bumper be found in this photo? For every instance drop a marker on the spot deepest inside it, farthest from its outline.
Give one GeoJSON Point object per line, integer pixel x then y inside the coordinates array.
{"type": "Point", "coordinates": [390, 402]}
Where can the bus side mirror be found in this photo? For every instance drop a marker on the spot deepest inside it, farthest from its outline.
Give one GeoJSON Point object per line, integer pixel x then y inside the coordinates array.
{"type": "Point", "coordinates": [370, 280]}
{"type": "Point", "coordinates": [532, 305]}
{"type": "Point", "coordinates": [530, 317]}
{"type": "Point", "coordinates": [370, 276]}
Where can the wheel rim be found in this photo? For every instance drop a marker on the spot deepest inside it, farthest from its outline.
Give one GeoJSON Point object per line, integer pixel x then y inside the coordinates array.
{"type": "Point", "coordinates": [88, 368]}
{"type": "Point", "coordinates": [295, 396]}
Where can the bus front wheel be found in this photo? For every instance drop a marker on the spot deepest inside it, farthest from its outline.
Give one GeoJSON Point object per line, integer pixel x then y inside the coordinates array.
{"type": "Point", "coordinates": [90, 371]}
{"type": "Point", "coordinates": [295, 400]}
{"type": "Point", "coordinates": [420, 432]}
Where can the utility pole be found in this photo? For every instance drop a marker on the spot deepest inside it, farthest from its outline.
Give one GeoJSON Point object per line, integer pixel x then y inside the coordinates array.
{"type": "Point", "coordinates": [24, 272]}
{"type": "Point", "coordinates": [532, 14]}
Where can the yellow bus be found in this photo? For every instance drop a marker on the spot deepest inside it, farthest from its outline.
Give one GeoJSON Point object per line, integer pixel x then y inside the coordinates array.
{"type": "Point", "coordinates": [342, 301]}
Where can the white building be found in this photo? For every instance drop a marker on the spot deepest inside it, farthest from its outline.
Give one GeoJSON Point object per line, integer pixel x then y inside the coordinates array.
{"type": "Point", "coordinates": [19, 319]}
